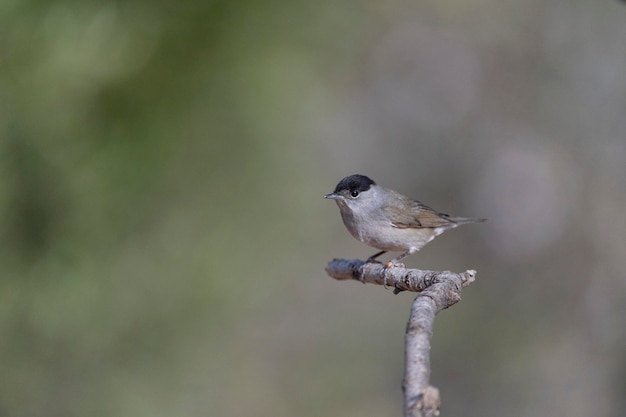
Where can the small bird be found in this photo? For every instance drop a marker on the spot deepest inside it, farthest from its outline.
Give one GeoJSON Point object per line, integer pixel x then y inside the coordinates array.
{"type": "Point", "coordinates": [387, 220]}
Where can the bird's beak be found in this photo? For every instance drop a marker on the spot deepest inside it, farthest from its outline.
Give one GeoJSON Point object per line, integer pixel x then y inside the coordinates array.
{"type": "Point", "coordinates": [333, 196]}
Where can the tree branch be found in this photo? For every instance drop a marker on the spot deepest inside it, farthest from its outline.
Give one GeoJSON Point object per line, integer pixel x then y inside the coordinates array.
{"type": "Point", "coordinates": [438, 290]}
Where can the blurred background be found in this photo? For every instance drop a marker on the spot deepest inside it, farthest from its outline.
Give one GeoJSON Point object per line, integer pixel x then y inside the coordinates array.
{"type": "Point", "coordinates": [163, 232]}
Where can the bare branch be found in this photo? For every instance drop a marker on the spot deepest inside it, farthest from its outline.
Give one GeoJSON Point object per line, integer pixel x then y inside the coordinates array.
{"type": "Point", "coordinates": [399, 277]}
{"type": "Point", "coordinates": [438, 290]}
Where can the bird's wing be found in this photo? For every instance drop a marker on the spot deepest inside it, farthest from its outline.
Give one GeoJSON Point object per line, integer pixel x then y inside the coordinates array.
{"type": "Point", "coordinates": [417, 216]}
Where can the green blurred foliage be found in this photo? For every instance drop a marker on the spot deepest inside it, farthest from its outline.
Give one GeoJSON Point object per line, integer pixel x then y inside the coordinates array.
{"type": "Point", "coordinates": [137, 139]}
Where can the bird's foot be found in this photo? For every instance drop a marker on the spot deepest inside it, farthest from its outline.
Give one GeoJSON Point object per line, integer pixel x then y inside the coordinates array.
{"type": "Point", "coordinates": [394, 264]}
{"type": "Point", "coordinates": [389, 265]}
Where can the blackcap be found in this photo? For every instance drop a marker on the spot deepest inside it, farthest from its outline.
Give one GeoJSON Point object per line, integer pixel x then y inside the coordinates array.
{"type": "Point", "coordinates": [387, 220]}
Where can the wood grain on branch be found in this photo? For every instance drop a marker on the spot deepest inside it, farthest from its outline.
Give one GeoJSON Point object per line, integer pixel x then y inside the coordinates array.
{"type": "Point", "coordinates": [437, 290]}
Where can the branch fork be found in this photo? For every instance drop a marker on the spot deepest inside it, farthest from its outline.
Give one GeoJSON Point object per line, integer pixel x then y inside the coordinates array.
{"type": "Point", "coordinates": [437, 290]}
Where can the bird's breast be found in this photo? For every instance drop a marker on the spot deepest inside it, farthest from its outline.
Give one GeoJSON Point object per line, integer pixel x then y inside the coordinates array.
{"type": "Point", "coordinates": [380, 233]}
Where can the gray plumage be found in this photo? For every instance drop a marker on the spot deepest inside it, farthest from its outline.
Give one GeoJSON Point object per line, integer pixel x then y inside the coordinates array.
{"type": "Point", "coordinates": [387, 220]}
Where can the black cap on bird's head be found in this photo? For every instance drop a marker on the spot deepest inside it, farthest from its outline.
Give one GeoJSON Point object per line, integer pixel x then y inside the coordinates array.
{"type": "Point", "coordinates": [351, 186]}
{"type": "Point", "coordinates": [355, 182]}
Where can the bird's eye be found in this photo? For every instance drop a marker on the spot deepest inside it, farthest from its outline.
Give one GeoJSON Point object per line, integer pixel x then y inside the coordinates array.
{"type": "Point", "coordinates": [354, 194]}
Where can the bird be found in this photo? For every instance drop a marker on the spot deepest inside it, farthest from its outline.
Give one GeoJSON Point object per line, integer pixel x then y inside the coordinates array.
{"type": "Point", "coordinates": [387, 220]}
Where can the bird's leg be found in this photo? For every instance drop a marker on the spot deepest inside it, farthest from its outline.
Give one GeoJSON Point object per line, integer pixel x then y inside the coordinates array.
{"type": "Point", "coordinates": [374, 256]}
{"type": "Point", "coordinates": [394, 261]}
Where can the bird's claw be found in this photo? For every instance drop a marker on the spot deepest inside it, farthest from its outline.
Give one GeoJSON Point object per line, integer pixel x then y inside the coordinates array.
{"type": "Point", "coordinates": [392, 264]}
{"type": "Point", "coordinates": [387, 266]}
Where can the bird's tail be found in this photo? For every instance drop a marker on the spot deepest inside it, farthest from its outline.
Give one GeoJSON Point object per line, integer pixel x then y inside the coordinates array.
{"type": "Point", "coordinates": [465, 220]}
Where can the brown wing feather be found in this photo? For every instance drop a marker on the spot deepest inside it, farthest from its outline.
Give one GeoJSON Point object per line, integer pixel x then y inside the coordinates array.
{"type": "Point", "coordinates": [418, 216]}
